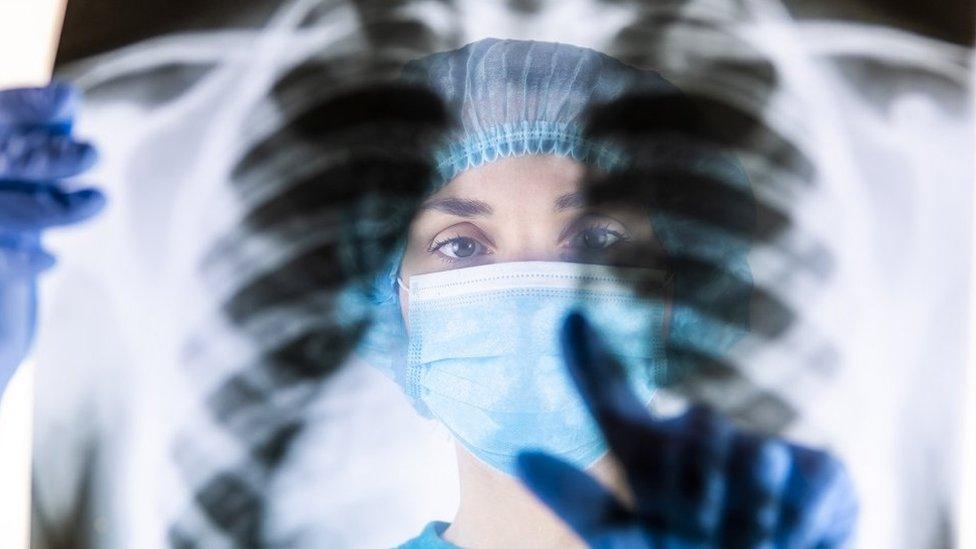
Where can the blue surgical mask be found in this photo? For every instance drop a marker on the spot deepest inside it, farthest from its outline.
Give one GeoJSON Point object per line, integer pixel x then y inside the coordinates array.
{"type": "Point", "coordinates": [484, 355]}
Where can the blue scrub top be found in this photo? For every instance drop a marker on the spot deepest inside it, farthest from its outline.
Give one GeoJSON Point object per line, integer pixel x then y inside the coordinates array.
{"type": "Point", "coordinates": [430, 538]}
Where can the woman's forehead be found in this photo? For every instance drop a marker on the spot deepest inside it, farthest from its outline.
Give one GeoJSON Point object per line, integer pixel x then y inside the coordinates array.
{"type": "Point", "coordinates": [517, 179]}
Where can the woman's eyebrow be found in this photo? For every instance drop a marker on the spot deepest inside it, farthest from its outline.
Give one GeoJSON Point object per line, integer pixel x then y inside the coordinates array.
{"type": "Point", "coordinates": [568, 201]}
{"type": "Point", "coordinates": [460, 207]}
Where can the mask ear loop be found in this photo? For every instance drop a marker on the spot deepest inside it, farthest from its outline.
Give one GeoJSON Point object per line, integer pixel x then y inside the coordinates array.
{"type": "Point", "coordinates": [400, 283]}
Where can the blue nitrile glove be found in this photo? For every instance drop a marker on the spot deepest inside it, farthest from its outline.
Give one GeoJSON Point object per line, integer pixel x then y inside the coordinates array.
{"type": "Point", "coordinates": [696, 479]}
{"type": "Point", "coordinates": [37, 153]}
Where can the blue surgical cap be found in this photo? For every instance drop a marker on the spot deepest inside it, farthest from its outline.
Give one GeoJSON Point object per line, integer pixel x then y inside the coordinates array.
{"type": "Point", "coordinates": [516, 98]}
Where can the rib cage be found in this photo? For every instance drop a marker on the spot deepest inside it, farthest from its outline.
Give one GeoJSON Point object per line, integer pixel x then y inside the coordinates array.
{"type": "Point", "coordinates": [327, 161]}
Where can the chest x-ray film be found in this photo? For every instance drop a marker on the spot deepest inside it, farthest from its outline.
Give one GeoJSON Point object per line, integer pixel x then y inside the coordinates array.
{"type": "Point", "coordinates": [306, 319]}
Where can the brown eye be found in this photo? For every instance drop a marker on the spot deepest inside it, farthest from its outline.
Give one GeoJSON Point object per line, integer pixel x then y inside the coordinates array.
{"type": "Point", "coordinates": [463, 247]}
{"type": "Point", "coordinates": [460, 247]}
{"type": "Point", "coordinates": [596, 238]}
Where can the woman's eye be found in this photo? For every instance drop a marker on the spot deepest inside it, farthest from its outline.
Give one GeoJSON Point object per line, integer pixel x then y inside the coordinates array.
{"type": "Point", "coordinates": [460, 247]}
{"type": "Point", "coordinates": [596, 238]}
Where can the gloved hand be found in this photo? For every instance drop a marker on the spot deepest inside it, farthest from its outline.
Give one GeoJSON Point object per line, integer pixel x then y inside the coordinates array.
{"type": "Point", "coordinates": [37, 153]}
{"type": "Point", "coordinates": [696, 479]}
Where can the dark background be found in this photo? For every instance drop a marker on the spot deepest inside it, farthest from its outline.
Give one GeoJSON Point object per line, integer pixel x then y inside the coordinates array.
{"type": "Point", "coordinates": [94, 26]}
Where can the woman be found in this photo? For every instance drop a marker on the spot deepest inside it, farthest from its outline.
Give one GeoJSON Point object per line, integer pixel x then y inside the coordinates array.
{"type": "Point", "coordinates": [504, 247]}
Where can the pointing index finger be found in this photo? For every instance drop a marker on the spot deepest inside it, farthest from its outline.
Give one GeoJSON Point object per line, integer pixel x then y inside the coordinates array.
{"type": "Point", "coordinates": [599, 376]}
{"type": "Point", "coordinates": [673, 465]}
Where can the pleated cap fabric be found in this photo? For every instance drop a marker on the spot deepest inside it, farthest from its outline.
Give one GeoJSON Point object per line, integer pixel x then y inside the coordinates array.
{"type": "Point", "coordinates": [515, 97]}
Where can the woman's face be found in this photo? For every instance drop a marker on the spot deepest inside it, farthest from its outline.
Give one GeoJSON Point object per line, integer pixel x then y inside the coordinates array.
{"type": "Point", "coordinates": [525, 208]}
